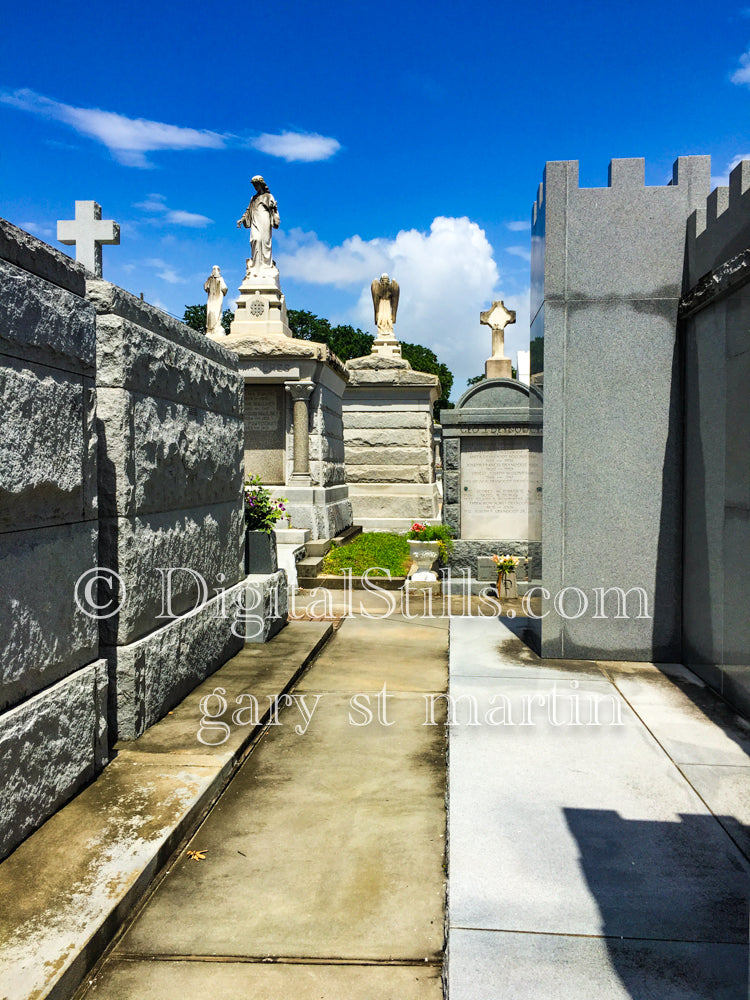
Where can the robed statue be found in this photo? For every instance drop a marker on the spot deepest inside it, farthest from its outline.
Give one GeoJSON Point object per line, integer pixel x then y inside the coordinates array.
{"type": "Point", "coordinates": [261, 218]}
{"type": "Point", "coordinates": [217, 289]}
{"type": "Point", "coordinates": [385, 301]}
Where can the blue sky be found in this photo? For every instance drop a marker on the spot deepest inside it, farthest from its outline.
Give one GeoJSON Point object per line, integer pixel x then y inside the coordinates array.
{"type": "Point", "coordinates": [403, 137]}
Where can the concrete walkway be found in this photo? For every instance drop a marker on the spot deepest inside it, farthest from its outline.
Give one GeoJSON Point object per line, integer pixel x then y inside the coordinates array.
{"type": "Point", "coordinates": [587, 860]}
{"type": "Point", "coordinates": [324, 859]}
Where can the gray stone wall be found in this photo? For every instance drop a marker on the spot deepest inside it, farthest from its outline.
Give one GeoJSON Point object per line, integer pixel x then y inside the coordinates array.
{"type": "Point", "coordinates": [716, 338]}
{"type": "Point", "coordinates": [326, 438]}
{"type": "Point", "coordinates": [170, 421]}
{"type": "Point", "coordinates": [607, 270]}
{"type": "Point", "coordinates": [53, 686]}
{"type": "Point", "coordinates": [387, 440]}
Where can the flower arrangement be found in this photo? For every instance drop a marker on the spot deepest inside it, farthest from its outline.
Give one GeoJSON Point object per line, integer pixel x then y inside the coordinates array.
{"type": "Point", "coordinates": [439, 533]}
{"type": "Point", "coordinates": [262, 511]}
{"type": "Point", "coordinates": [506, 563]}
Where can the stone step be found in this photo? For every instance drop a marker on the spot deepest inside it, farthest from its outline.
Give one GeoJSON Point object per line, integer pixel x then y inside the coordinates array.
{"type": "Point", "coordinates": [309, 567]}
{"type": "Point", "coordinates": [318, 548]}
{"type": "Point", "coordinates": [92, 863]}
{"type": "Point", "coordinates": [347, 535]}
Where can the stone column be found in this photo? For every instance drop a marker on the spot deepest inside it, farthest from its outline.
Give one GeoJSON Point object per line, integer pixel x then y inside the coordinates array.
{"type": "Point", "coordinates": [300, 393]}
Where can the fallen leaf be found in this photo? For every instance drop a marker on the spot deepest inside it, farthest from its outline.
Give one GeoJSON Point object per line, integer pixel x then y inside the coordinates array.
{"type": "Point", "coordinates": [197, 855]}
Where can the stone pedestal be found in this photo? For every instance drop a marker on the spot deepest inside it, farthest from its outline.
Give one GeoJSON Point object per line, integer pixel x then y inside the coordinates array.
{"type": "Point", "coordinates": [498, 368]}
{"type": "Point", "coordinates": [388, 431]}
{"type": "Point", "coordinates": [261, 308]}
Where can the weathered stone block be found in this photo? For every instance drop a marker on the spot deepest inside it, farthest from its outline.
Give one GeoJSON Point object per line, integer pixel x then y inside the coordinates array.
{"type": "Point", "coordinates": [113, 300]}
{"type": "Point", "coordinates": [385, 417]}
{"type": "Point", "coordinates": [131, 357]}
{"type": "Point", "coordinates": [150, 676]}
{"type": "Point", "coordinates": [50, 746]}
{"type": "Point", "coordinates": [43, 450]}
{"type": "Point", "coordinates": [386, 473]}
{"type": "Point", "coordinates": [45, 635]}
{"type": "Point", "coordinates": [451, 454]}
{"type": "Point", "coordinates": [267, 605]}
{"type": "Point", "coordinates": [30, 254]}
{"type": "Point", "coordinates": [44, 323]}
{"type": "Point", "coordinates": [414, 506]}
{"type": "Point", "coordinates": [451, 487]}
{"type": "Point", "coordinates": [394, 437]}
{"type": "Point", "coordinates": [208, 541]}
{"type": "Point", "coordinates": [386, 456]}
{"type": "Point", "coordinates": [157, 455]}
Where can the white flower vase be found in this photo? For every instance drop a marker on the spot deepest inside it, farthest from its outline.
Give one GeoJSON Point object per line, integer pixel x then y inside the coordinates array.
{"type": "Point", "coordinates": [424, 555]}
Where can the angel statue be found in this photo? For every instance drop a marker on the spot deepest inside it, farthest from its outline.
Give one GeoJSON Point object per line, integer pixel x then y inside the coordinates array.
{"type": "Point", "coordinates": [216, 288]}
{"type": "Point", "coordinates": [385, 300]}
{"type": "Point", "coordinates": [261, 218]}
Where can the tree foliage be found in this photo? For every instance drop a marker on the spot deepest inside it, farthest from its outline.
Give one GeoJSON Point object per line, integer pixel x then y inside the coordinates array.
{"type": "Point", "coordinates": [195, 318]}
{"type": "Point", "coordinates": [346, 342]}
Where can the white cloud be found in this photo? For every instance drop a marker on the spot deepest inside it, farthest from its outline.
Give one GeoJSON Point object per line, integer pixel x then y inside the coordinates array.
{"type": "Point", "coordinates": [447, 276]}
{"type": "Point", "coordinates": [523, 252]}
{"type": "Point", "coordinates": [127, 139]}
{"type": "Point", "coordinates": [153, 203]}
{"type": "Point", "coordinates": [45, 232]}
{"type": "Point", "coordinates": [192, 220]}
{"type": "Point", "coordinates": [722, 180]}
{"type": "Point", "coordinates": [164, 271]}
{"type": "Point", "coordinates": [742, 75]}
{"type": "Point", "coordinates": [305, 147]}
{"type": "Point", "coordinates": [157, 204]}
{"type": "Point", "coordinates": [518, 227]}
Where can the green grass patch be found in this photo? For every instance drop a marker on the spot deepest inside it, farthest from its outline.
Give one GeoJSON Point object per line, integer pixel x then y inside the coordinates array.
{"type": "Point", "coordinates": [372, 548]}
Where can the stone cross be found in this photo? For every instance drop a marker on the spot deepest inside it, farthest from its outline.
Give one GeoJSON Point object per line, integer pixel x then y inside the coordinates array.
{"type": "Point", "coordinates": [497, 317]}
{"type": "Point", "coordinates": [88, 231]}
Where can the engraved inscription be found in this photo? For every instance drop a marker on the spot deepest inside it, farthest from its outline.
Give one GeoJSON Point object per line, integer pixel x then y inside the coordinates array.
{"type": "Point", "coordinates": [500, 491]}
{"type": "Point", "coordinates": [262, 409]}
{"type": "Point", "coordinates": [264, 433]}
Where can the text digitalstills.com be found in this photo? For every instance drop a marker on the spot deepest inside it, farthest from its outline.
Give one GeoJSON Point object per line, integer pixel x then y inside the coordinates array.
{"type": "Point", "coordinates": [101, 593]}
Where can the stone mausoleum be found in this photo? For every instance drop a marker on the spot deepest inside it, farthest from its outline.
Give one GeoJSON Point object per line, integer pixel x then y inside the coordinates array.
{"type": "Point", "coordinates": [294, 437]}
{"type": "Point", "coordinates": [388, 431]}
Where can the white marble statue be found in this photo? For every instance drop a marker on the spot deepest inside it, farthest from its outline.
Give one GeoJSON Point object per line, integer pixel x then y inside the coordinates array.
{"type": "Point", "coordinates": [261, 218]}
{"type": "Point", "coordinates": [385, 294]}
{"type": "Point", "coordinates": [217, 289]}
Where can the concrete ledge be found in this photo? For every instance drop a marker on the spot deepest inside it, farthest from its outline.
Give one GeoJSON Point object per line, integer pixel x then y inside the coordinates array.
{"type": "Point", "coordinates": [66, 890]}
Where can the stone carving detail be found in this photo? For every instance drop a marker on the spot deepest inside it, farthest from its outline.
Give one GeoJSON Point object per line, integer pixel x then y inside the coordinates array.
{"type": "Point", "coordinates": [216, 288]}
{"type": "Point", "coordinates": [261, 218]}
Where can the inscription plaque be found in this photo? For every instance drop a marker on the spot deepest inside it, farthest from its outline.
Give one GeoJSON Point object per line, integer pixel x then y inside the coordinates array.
{"type": "Point", "coordinates": [264, 433]}
{"type": "Point", "coordinates": [501, 490]}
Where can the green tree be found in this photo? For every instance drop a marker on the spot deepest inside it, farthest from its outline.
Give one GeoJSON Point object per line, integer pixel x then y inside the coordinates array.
{"type": "Point", "coordinates": [195, 318]}
{"type": "Point", "coordinates": [422, 359]}
{"type": "Point", "coordinates": [347, 342]}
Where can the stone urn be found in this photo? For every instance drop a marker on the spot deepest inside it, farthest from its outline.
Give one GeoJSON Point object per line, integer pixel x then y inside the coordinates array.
{"type": "Point", "coordinates": [425, 555]}
{"type": "Point", "coordinates": [507, 586]}
{"type": "Point", "coordinates": [260, 552]}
